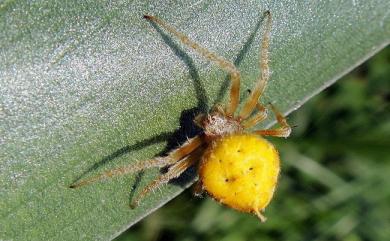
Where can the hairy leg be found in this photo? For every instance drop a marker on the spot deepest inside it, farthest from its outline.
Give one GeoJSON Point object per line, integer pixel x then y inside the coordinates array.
{"type": "Point", "coordinates": [173, 172]}
{"type": "Point", "coordinates": [198, 189]}
{"type": "Point", "coordinates": [221, 62]}
{"type": "Point", "coordinates": [256, 118]}
{"type": "Point", "coordinates": [283, 131]}
{"type": "Point", "coordinates": [174, 156]}
{"type": "Point", "coordinates": [265, 73]}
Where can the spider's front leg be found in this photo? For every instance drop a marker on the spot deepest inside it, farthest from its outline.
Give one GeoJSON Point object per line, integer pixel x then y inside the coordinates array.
{"type": "Point", "coordinates": [256, 118]}
{"type": "Point", "coordinates": [265, 72]}
{"type": "Point", "coordinates": [173, 157]}
{"type": "Point", "coordinates": [283, 131]}
{"type": "Point", "coordinates": [220, 61]}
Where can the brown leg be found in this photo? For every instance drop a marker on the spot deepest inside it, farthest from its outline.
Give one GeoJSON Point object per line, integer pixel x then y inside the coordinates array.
{"type": "Point", "coordinates": [265, 73]}
{"type": "Point", "coordinates": [173, 172]}
{"type": "Point", "coordinates": [283, 131]}
{"type": "Point", "coordinates": [198, 120]}
{"type": "Point", "coordinates": [198, 189]}
{"type": "Point", "coordinates": [221, 62]}
{"type": "Point", "coordinates": [172, 157]}
{"type": "Point", "coordinates": [257, 118]}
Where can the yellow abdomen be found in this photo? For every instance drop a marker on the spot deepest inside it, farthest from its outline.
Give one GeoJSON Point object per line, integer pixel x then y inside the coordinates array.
{"type": "Point", "coordinates": [240, 171]}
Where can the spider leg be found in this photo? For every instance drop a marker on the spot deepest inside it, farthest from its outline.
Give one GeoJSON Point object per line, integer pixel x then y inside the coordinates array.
{"type": "Point", "coordinates": [256, 118]}
{"type": "Point", "coordinates": [173, 172]}
{"type": "Point", "coordinates": [198, 120]}
{"type": "Point", "coordinates": [220, 61]}
{"type": "Point", "coordinates": [283, 131]}
{"type": "Point", "coordinates": [174, 156]}
{"type": "Point", "coordinates": [198, 189]}
{"type": "Point", "coordinates": [265, 72]}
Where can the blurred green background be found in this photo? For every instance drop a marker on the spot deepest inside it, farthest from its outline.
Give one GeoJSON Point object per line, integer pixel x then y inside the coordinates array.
{"type": "Point", "coordinates": [335, 181]}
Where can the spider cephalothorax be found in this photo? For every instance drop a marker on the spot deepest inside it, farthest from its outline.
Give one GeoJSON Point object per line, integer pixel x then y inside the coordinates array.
{"type": "Point", "coordinates": [236, 167]}
{"type": "Point", "coordinates": [217, 124]}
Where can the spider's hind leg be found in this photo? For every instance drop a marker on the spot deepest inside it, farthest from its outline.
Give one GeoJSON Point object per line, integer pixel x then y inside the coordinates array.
{"type": "Point", "coordinates": [173, 157]}
{"type": "Point", "coordinates": [173, 172]}
{"type": "Point", "coordinates": [257, 117]}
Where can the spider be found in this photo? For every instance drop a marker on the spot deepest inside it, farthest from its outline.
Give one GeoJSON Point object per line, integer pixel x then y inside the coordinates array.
{"type": "Point", "coordinates": [236, 167]}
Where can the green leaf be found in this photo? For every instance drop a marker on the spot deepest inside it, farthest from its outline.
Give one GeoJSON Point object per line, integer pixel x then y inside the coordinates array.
{"type": "Point", "coordinates": [88, 86]}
